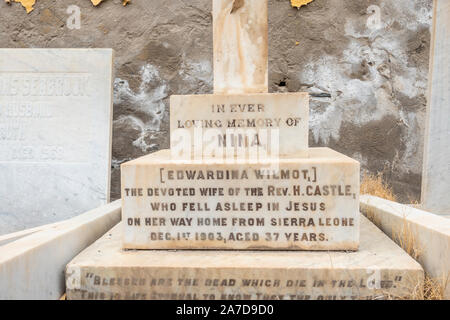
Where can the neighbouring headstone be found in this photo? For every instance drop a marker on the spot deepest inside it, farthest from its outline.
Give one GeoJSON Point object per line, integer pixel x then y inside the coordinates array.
{"type": "Point", "coordinates": [436, 163]}
{"type": "Point", "coordinates": [380, 269]}
{"type": "Point", "coordinates": [55, 134]}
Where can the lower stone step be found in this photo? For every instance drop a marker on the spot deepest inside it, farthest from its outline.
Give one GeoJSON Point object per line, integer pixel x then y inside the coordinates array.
{"type": "Point", "coordinates": [380, 269]}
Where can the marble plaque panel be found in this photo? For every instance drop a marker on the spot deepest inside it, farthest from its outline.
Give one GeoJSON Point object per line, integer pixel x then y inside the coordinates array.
{"type": "Point", "coordinates": [219, 125]}
{"type": "Point", "coordinates": [290, 204]}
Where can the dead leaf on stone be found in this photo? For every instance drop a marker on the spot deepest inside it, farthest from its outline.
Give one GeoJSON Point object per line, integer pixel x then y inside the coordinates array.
{"type": "Point", "coordinates": [237, 4]}
{"type": "Point", "coordinates": [27, 4]}
{"type": "Point", "coordinates": [97, 2]}
{"type": "Point", "coordinates": [299, 3]}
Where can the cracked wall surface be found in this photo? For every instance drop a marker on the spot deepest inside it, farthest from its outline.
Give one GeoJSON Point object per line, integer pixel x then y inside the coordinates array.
{"type": "Point", "coordinates": [364, 62]}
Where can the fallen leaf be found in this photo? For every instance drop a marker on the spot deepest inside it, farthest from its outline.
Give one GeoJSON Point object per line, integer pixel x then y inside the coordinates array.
{"type": "Point", "coordinates": [299, 3]}
{"type": "Point", "coordinates": [96, 2]}
{"type": "Point", "coordinates": [237, 4]}
{"type": "Point", "coordinates": [27, 4]}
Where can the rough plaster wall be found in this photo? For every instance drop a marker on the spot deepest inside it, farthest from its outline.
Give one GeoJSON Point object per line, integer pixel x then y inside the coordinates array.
{"type": "Point", "coordinates": [368, 82]}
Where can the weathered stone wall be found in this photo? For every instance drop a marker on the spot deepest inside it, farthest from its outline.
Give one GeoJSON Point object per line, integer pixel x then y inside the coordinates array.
{"type": "Point", "coordinates": [368, 75]}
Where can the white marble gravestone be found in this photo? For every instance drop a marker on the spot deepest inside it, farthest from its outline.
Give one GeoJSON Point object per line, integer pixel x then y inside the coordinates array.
{"type": "Point", "coordinates": [55, 134]}
{"type": "Point", "coordinates": [230, 190]}
{"type": "Point", "coordinates": [299, 199]}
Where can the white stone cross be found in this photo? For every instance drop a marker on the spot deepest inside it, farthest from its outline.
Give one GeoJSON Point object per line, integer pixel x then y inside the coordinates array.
{"type": "Point", "coordinates": [240, 46]}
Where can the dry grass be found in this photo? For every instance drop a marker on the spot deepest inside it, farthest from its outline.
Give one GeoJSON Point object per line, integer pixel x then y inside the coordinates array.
{"type": "Point", "coordinates": [428, 289]}
{"type": "Point", "coordinates": [434, 289]}
{"type": "Point", "coordinates": [406, 239]}
{"type": "Point", "coordinates": [376, 186]}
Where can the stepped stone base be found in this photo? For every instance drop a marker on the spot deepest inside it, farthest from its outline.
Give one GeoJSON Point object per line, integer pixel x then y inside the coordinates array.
{"type": "Point", "coordinates": [287, 204]}
{"type": "Point", "coordinates": [378, 270]}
